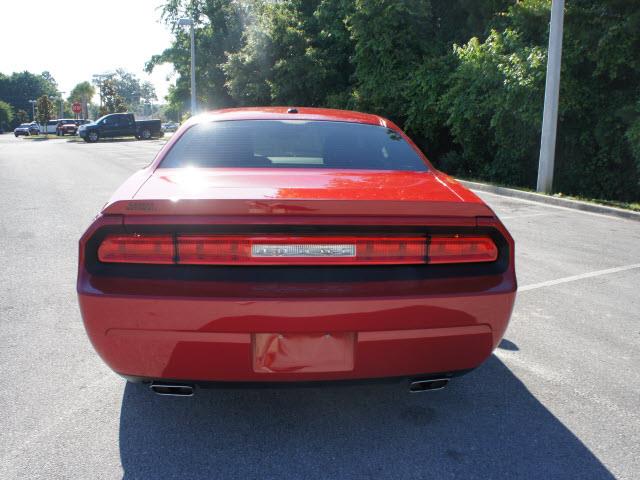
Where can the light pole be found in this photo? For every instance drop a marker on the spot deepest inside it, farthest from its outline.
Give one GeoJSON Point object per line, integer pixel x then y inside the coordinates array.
{"type": "Point", "coordinates": [551, 94]}
{"type": "Point", "coordinates": [183, 22]}
{"type": "Point", "coordinates": [99, 79]}
{"type": "Point", "coordinates": [33, 109]}
{"type": "Point", "coordinates": [61, 104]}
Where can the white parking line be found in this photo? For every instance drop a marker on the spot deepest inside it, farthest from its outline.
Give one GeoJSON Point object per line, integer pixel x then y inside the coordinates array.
{"type": "Point", "coordinates": [526, 215]}
{"type": "Point", "coordinates": [573, 278]}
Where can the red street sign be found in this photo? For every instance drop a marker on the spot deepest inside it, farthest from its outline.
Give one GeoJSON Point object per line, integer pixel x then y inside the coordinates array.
{"type": "Point", "coordinates": [76, 107]}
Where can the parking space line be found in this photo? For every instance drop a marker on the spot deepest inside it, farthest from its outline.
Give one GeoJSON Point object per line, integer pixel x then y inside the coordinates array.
{"type": "Point", "coordinates": [526, 215]}
{"type": "Point", "coordinates": [582, 276]}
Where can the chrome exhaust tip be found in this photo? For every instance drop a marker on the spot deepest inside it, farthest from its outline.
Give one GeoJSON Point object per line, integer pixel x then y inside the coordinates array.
{"type": "Point", "coordinates": [172, 389]}
{"type": "Point", "coordinates": [428, 385]}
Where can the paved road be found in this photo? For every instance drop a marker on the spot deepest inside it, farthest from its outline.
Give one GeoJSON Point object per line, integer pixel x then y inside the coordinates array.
{"type": "Point", "coordinates": [559, 399]}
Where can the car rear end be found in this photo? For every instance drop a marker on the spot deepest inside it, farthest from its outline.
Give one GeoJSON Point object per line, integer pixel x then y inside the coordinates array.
{"type": "Point", "coordinates": [286, 274]}
{"type": "Point", "coordinates": [69, 128]}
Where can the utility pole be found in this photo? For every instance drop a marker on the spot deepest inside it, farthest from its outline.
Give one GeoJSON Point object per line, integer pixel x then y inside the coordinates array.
{"type": "Point", "coordinates": [99, 79]}
{"type": "Point", "coordinates": [33, 110]}
{"type": "Point", "coordinates": [61, 105]}
{"type": "Point", "coordinates": [551, 95]}
{"type": "Point", "coordinates": [190, 22]}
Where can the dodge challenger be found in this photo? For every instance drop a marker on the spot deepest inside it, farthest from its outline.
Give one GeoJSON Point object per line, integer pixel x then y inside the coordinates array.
{"type": "Point", "coordinates": [293, 245]}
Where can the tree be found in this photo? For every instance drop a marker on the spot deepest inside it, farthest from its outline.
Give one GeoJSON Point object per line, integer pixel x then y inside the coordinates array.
{"type": "Point", "coordinates": [112, 102]}
{"type": "Point", "coordinates": [44, 110]}
{"type": "Point", "coordinates": [6, 115]}
{"type": "Point", "coordinates": [133, 93]}
{"type": "Point", "coordinates": [494, 99]}
{"type": "Point", "coordinates": [21, 116]}
{"type": "Point", "coordinates": [83, 92]}
{"type": "Point", "coordinates": [20, 87]}
{"type": "Point", "coordinates": [219, 28]}
{"type": "Point", "coordinates": [465, 78]}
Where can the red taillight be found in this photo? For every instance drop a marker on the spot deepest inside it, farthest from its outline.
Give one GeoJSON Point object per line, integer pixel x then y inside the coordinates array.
{"type": "Point", "coordinates": [298, 250]}
{"type": "Point", "coordinates": [137, 249]}
{"type": "Point", "coordinates": [461, 249]}
{"type": "Point", "coordinates": [281, 250]}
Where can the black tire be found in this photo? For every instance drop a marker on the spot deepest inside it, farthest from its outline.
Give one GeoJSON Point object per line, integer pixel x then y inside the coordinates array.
{"type": "Point", "coordinates": [92, 137]}
{"type": "Point", "coordinates": [16, 135]}
{"type": "Point", "coordinates": [145, 134]}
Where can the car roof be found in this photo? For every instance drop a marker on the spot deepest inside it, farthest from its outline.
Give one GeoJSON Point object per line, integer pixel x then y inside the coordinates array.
{"type": "Point", "coordinates": [282, 113]}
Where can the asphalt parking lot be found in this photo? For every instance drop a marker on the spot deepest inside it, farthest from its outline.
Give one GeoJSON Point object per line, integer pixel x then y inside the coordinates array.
{"type": "Point", "coordinates": [560, 398]}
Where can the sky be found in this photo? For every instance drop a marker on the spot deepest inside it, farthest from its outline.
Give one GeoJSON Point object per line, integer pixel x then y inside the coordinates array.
{"type": "Point", "coordinates": [74, 40]}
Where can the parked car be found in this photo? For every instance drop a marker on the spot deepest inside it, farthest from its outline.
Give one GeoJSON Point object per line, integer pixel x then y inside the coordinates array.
{"type": "Point", "coordinates": [170, 126]}
{"type": "Point", "coordinates": [120, 125]}
{"type": "Point", "coordinates": [50, 127]}
{"type": "Point", "coordinates": [66, 126]}
{"type": "Point", "coordinates": [26, 129]}
{"type": "Point", "coordinates": [275, 245]}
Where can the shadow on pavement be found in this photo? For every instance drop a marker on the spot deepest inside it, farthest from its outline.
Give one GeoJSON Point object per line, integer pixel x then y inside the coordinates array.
{"type": "Point", "coordinates": [485, 425]}
{"type": "Point", "coordinates": [80, 141]}
{"type": "Point", "coordinates": [508, 345]}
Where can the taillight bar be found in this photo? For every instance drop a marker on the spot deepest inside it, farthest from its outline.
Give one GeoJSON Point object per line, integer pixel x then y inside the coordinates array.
{"type": "Point", "coordinates": [137, 249]}
{"type": "Point", "coordinates": [197, 249]}
{"type": "Point", "coordinates": [303, 250]}
{"type": "Point", "coordinates": [461, 249]}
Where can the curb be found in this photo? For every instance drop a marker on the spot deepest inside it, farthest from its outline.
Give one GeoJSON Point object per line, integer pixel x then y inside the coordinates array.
{"type": "Point", "coordinates": [559, 202]}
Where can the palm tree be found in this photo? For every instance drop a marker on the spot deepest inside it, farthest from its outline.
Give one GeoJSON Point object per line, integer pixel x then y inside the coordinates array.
{"type": "Point", "coordinates": [83, 93]}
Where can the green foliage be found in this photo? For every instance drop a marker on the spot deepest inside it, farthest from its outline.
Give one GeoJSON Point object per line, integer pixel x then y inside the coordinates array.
{"type": "Point", "coordinates": [494, 103]}
{"type": "Point", "coordinates": [20, 87]}
{"type": "Point", "coordinates": [123, 91]}
{"type": "Point", "coordinates": [494, 108]}
{"type": "Point", "coordinates": [6, 115]}
{"type": "Point", "coordinates": [465, 78]}
{"type": "Point", "coordinates": [45, 110]}
{"type": "Point", "coordinates": [21, 117]}
{"type": "Point", "coordinates": [219, 26]}
{"type": "Point", "coordinates": [112, 101]}
{"type": "Point", "coordinates": [83, 92]}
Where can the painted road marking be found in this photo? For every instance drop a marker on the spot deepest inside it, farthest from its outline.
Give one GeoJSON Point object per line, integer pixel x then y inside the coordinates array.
{"type": "Point", "coordinates": [582, 276]}
{"type": "Point", "coordinates": [526, 215]}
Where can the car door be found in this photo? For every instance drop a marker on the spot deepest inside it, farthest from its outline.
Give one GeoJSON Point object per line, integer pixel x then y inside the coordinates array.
{"type": "Point", "coordinates": [127, 125]}
{"type": "Point", "coordinates": [109, 127]}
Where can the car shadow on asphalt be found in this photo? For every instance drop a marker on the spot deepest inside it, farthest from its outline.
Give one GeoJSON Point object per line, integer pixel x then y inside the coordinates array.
{"type": "Point", "coordinates": [484, 425]}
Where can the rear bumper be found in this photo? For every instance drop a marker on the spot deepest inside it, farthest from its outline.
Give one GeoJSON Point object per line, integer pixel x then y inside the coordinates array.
{"type": "Point", "coordinates": [203, 339]}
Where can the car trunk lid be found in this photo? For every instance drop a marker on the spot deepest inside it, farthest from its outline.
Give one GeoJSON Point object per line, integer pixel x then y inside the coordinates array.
{"type": "Point", "coordinates": [298, 192]}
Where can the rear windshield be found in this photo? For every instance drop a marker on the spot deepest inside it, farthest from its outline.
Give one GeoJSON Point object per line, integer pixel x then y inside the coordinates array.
{"type": "Point", "coordinates": [292, 144]}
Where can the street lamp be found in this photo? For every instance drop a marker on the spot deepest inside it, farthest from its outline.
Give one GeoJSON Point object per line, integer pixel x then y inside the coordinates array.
{"type": "Point", "coordinates": [61, 104]}
{"type": "Point", "coordinates": [99, 79]}
{"type": "Point", "coordinates": [551, 93]}
{"type": "Point", "coordinates": [33, 109]}
{"type": "Point", "coordinates": [183, 22]}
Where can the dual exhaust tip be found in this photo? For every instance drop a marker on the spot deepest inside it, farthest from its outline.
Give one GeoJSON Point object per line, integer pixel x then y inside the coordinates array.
{"type": "Point", "coordinates": [427, 385]}
{"type": "Point", "coordinates": [187, 390]}
{"type": "Point", "coordinates": [172, 389]}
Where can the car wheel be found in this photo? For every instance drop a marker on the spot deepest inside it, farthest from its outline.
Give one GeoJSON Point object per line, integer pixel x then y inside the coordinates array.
{"type": "Point", "coordinates": [92, 137]}
{"type": "Point", "coordinates": [145, 134]}
{"type": "Point", "coordinates": [16, 135]}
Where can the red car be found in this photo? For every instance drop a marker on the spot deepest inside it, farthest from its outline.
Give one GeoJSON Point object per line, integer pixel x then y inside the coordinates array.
{"type": "Point", "coordinates": [287, 245]}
